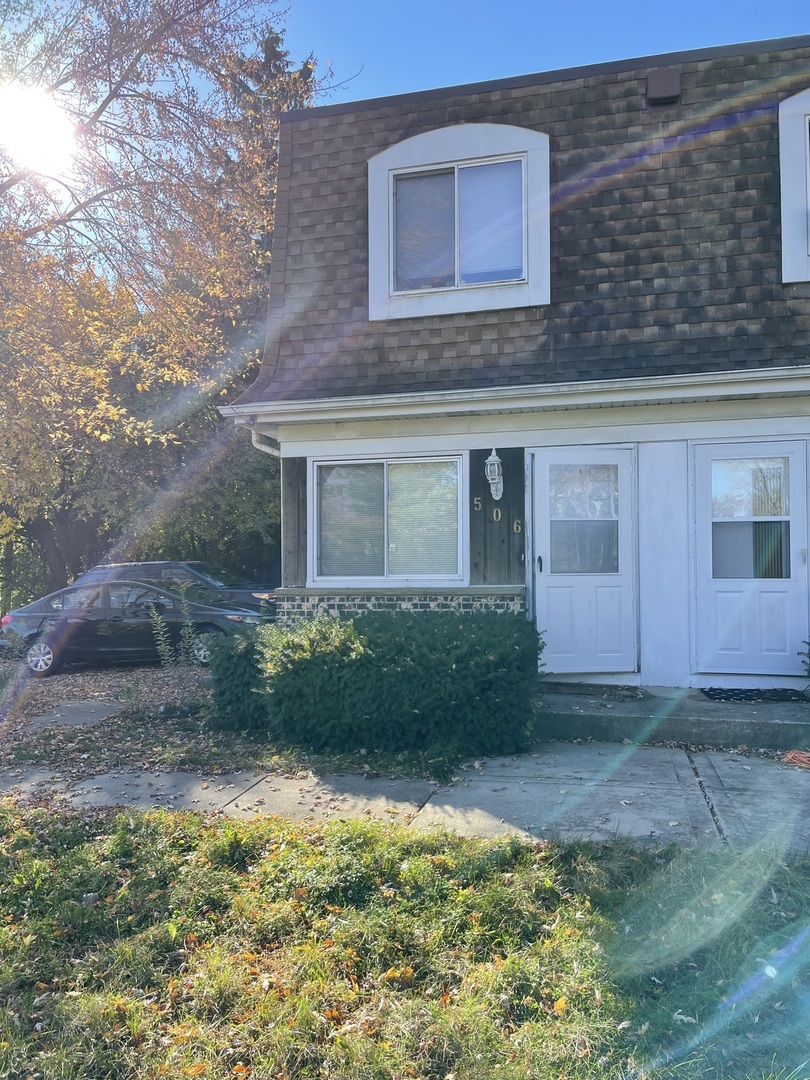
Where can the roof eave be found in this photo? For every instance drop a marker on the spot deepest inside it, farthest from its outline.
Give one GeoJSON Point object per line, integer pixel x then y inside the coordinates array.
{"type": "Point", "coordinates": [272, 416]}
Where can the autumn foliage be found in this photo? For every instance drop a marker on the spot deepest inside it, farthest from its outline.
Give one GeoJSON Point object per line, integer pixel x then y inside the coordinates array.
{"type": "Point", "coordinates": [133, 286]}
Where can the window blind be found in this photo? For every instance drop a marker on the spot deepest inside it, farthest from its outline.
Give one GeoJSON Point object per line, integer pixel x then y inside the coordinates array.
{"type": "Point", "coordinates": [491, 222]}
{"type": "Point", "coordinates": [351, 528]}
{"type": "Point", "coordinates": [423, 518]}
{"type": "Point", "coordinates": [425, 231]}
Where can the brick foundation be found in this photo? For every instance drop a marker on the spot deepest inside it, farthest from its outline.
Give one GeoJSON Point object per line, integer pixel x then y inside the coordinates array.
{"type": "Point", "coordinates": [295, 604]}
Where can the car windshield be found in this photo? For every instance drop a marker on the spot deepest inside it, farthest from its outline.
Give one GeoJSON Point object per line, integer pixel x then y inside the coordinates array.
{"type": "Point", "coordinates": [99, 573]}
{"type": "Point", "coordinates": [217, 576]}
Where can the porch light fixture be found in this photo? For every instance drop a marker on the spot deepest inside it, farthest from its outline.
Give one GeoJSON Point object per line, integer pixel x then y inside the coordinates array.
{"type": "Point", "coordinates": [493, 470]}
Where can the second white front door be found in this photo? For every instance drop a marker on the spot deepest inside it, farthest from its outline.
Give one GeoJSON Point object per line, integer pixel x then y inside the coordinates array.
{"type": "Point", "coordinates": [751, 557]}
{"type": "Point", "coordinates": [584, 559]}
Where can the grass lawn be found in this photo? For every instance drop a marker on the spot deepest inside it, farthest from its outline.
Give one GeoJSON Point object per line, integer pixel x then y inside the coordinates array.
{"type": "Point", "coordinates": [139, 945]}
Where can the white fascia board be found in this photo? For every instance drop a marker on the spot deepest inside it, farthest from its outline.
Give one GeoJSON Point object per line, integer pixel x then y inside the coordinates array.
{"type": "Point", "coordinates": [759, 383]}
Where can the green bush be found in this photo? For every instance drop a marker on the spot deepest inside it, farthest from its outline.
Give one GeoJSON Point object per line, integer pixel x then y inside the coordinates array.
{"type": "Point", "coordinates": [238, 699]}
{"type": "Point", "coordinates": [317, 676]}
{"type": "Point", "coordinates": [460, 684]}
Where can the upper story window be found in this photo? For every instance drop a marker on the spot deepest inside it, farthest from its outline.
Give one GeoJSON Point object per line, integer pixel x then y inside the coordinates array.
{"type": "Point", "coordinates": [459, 226]}
{"type": "Point", "coordinates": [458, 221]}
{"type": "Point", "coordinates": [794, 168]}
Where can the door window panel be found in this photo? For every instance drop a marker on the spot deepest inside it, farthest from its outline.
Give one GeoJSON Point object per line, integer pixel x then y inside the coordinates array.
{"type": "Point", "coordinates": [77, 600]}
{"type": "Point", "coordinates": [750, 518]}
{"type": "Point", "coordinates": [584, 513]}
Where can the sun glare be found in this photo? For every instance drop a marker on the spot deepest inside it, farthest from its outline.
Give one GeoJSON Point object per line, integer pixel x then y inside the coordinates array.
{"type": "Point", "coordinates": [34, 132]}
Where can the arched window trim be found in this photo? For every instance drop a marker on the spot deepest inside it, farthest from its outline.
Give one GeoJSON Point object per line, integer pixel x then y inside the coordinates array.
{"type": "Point", "coordinates": [462, 144]}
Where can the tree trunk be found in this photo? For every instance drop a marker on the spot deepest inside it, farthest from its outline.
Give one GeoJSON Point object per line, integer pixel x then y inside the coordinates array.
{"type": "Point", "coordinates": [43, 534]}
{"type": "Point", "coordinates": [5, 575]}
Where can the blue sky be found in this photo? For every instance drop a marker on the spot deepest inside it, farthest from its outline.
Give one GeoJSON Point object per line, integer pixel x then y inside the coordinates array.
{"type": "Point", "coordinates": [378, 48]}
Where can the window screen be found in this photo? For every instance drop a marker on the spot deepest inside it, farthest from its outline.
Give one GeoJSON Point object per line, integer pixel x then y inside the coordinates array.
{"type": "Point", "coordinates": [751, 518]}
{"type": "Point", "coordinates": [381, 519]}
{"type": "Point", "coordinates": [460, 226]}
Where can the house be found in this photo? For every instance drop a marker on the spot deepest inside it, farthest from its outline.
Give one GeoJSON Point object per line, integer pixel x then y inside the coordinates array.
{"type": "Point", "coordinates": [543, 345]}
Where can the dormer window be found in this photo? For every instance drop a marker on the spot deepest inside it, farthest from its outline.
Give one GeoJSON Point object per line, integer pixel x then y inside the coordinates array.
{"type": "Point", "coordinates": [794, 169]}
{"type": "Point", "coordinates": [458, 221]}
{"type": "Point", "coordinates": [459, 226]}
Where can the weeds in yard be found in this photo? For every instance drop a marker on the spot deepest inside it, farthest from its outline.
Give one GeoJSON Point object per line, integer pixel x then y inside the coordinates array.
{"type": "Point", "coordinates": [183, 653]}
{"type": "Point", "coordinates": [155, 944]}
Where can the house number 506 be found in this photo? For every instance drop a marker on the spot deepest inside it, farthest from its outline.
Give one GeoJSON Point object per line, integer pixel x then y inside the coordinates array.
{"type": "Point", "coordinates": [497, 514]}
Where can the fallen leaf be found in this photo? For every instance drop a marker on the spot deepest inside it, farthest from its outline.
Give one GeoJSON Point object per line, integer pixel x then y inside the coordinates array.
{"type": "Point", "coordinates": [682, 1019]}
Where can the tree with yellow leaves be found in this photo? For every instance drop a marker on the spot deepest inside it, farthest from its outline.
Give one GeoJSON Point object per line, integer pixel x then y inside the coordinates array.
{"type": "Point", "coordinates": [133, 280]}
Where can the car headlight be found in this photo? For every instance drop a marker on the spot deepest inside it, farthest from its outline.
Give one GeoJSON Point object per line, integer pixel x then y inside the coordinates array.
{"type": "Point", "coordinates": [249, 619]}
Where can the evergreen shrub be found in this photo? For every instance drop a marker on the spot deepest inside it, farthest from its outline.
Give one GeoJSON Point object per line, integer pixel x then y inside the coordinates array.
{"type": "Point", "coordinates": [239, 701]}
{"type": "Point", "coordinates": [456, 683]}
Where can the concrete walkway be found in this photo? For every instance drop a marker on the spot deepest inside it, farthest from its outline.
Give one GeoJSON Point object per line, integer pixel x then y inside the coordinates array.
{"type": "Point", "coordinates": [710, 799]}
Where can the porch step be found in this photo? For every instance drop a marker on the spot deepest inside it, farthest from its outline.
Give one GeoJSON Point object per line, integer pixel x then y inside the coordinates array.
{"type": "Point", "coordinates": [616, 714]}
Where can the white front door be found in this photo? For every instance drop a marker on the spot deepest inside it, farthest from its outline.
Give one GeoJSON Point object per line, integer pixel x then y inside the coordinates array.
{"type": "Point", "coordinates": [584, 559]}
{"type": "Point", "coordinates": [751, 557]}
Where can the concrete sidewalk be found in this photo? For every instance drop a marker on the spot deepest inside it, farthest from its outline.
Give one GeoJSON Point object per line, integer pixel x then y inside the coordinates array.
{"type": "Point", "coordinates": [711, 798]}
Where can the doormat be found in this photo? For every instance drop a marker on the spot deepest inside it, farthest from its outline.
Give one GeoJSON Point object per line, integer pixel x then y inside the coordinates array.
{"type": "Point", "coordinates": [777, 694]}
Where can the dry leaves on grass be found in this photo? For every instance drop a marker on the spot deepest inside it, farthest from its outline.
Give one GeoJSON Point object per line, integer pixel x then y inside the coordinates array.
{"type": "Point", "coordinates": [152, 725]}
{"type": "Point", "coordinates": [140, 687]}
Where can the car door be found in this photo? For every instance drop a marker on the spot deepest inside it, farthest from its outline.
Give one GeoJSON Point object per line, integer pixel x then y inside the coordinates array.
{"type": "Point", "coordinates": [131, 624]}
{"type": "Point", "coordinates": [73, 623]}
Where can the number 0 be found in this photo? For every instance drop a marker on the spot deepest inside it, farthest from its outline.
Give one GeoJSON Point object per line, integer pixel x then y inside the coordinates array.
{"type": "Point", "coordinates": [496, 514]}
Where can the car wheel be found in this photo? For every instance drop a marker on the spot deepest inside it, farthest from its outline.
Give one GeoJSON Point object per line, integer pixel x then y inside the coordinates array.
{"type": "Point", "coordinates": [202, 646]}
{"type": "Point", "coordinates": [42, 659]}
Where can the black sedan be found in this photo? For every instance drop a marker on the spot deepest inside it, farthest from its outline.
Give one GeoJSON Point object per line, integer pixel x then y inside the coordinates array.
{"type": "Point", "coordinates": [119, 621]}
{"type": "Point", "coordinates": [207, 583]}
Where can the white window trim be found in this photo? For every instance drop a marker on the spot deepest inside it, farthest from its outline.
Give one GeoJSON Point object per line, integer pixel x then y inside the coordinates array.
{"type": "Point", "coordinates": [794, 169]}
{"type": "Point", "coordinates": [460, 144]}
{"type": "Point", "coordinates": [314, 580]}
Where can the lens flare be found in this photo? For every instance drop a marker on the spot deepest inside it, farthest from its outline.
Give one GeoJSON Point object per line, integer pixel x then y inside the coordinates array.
{"type": "Point", "coordinates": [36, 134]}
